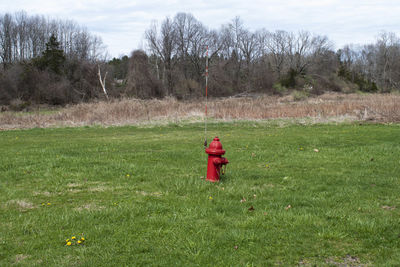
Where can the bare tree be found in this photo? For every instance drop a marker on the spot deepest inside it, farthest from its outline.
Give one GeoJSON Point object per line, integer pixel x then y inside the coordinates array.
{"type": "Point", "coordinates": [142, 83]}
{"type": "Point", "coordinates": [191, 38]}
{"type": "Point", "coordinates": [304, 49]}
{"type": "Point", "coordinates": [278, 45]}
{"type": "Point", "coordinates": [7, 31]}
{"type": "Point", "coordinates": [248, 45]}
{"type": "Point", "coordinates": [164, 45]}
{"type": "Point", "coordinates": [103, 82]}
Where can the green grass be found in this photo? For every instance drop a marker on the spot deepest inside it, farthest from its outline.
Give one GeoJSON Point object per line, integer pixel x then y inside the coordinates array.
{"type": "Point", "coordinates": [138, 196]}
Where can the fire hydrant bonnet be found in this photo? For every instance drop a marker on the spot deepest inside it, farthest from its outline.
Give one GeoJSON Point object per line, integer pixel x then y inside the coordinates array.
{"type": "Point", "coordinates": [215, 147]}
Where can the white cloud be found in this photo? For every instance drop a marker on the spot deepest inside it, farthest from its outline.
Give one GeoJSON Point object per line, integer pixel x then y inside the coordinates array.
{"type": "Point", "coordinates": [122, 23]}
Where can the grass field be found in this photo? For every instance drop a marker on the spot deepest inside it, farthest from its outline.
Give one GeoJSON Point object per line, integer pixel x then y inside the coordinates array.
{"type": "Point", "coordinates": [321, 194]}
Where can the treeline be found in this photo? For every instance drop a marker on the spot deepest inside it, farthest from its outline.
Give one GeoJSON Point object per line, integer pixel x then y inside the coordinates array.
{"type": "Point", "coordinates": [240, 60]}
{"type": "Point", "coordinates": [244, 61]}
{"type": "Point", "coordinates": [58, 62]}
{"type": "Point", "coordinates": [49, 61]}
{"type": "Point", "coordinates": [24, 37]}
{"type": "Point", "coordinates": [373, 67]}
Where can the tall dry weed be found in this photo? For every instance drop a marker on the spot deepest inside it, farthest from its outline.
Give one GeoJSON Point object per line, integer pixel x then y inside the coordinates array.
{"type": "Point", "coordinates": [376, 107]}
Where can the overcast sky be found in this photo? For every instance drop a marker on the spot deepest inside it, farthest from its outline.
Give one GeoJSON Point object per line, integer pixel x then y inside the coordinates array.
{"type": "Point", "coordinates": [121, 23]}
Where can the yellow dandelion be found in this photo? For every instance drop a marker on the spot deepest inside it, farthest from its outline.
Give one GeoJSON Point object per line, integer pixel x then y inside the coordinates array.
{"type": "Point", "coordinates": [210, 198]}
{"type": "Point", "coordinates": [69, 243]}
{"type": "Point", "coordinates": [79, 242]}
{"type": "Point", "coordinates": [48, 204]}
{"type": "Point", "coordinates": [73, 238]}
{"type": "Point", "coordinates": [82, 238]}
{"type": "Point", "coordinates": [127, 175]}
{"type": "Point", "coordinates": [67, 240]}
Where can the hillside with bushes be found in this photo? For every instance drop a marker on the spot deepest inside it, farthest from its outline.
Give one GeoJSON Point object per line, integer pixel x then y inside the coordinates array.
{"type": "Point", "coordinates": [55, 62]}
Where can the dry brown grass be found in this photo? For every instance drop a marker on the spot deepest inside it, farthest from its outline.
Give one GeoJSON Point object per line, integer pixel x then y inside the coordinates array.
{"type": "Point", "coordinates": [327, 107]}
{"type": "Point", "coordinates": [21, 204]}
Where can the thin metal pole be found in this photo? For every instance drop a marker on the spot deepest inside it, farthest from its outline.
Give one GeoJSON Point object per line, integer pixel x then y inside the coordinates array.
{"type": "Point", "coordinates": [205, 120]}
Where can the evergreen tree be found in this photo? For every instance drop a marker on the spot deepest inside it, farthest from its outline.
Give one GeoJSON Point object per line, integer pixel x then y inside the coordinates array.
{"type": "Point", "coordinates": [120, 67]}
{"type": "Point", "coordinates": [53, 57]}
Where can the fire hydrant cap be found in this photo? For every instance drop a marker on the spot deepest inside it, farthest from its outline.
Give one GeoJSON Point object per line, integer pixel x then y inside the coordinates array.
{"type": "Point", "coordinates": [215, 147]}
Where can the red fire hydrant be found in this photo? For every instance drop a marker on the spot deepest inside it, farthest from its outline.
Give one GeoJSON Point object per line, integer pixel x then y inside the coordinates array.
{"type": "Point", "coordinates": [215, 161]}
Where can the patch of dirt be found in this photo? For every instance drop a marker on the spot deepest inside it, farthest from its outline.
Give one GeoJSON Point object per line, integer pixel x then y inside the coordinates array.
{"type": "Point", "coordinates": [22, 204]}
{"type": "Point", "coordinates": [348, 261]}
{"type": "Point", "coordinates": [388, 207]}
{"type": "Point", "coordinates": [20, 257]}
{"type": "Point", "coordinates": [92, 187]}
{"type": "Point", "coordinates": [99, 188]}
{"type": "Point", "coordinates": [73, 185]}
{"type": "Point", "coordinates": [73, 190]}
{"type": "Point", "coordinates": [305, 262]}
{"type": "Point", "coordinates": [76, 187]}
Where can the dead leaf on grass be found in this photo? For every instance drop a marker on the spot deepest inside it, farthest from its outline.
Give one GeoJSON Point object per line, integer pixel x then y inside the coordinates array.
{"type": "Point", "coordinates": [388, 207]}
{"type": "Point", "coordinates": [251, 208]}
{"type": "Point", "coordinates": [288, 207]}
{"type": "Point", "coordinates": [316, 150]}
{"type": "Point", "coordinates": [243, 200]}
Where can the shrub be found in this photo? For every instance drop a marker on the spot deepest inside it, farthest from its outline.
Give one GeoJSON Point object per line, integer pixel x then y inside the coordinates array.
{"type": "Point", "coordinates": [279, 88]}
{"type": "Point", "coordinates": [19, 105]}
{"type": "Point", "coordinates": [142, 83]}
{"type": "Point", "coordinates": [186, 89]}
{"type": "Point", "coordinates": [289, 80]}
{"type": "Point", "coordinates": [299, 95]}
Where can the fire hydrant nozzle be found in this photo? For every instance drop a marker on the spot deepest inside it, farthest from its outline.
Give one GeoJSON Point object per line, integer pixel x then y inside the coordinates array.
{"type": "Point", "coordinates": [215, 161]}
